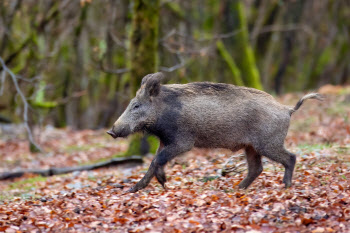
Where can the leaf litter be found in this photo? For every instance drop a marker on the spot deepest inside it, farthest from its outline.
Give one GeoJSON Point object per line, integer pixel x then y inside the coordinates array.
{"type": "Point", "coordinates": [198, 198]}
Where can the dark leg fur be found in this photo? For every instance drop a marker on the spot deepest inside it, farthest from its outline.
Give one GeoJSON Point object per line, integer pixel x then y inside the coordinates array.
{"type": "Point", "coordinates": [159, 171]}
{"type": "Point", "coordinates": [289, 166]}
{"type": "Point", "coordinates": [160, 175]}
{"type": "Point", "coordinates": [146, 179]}
{"type": "Point", "coordinates": [254, 167]}
{"type": "Point", "coordinates": [286, 158]}
{"type": "Point", "coordinates": [156, 168]}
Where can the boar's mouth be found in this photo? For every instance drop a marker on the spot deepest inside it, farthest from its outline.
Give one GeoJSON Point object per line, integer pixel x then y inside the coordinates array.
{"type": "Point", "coordinates": [116, 132]}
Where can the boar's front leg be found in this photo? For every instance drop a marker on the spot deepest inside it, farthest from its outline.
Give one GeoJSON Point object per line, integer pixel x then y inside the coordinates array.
{"type": "Point", "coordinates": [157, 166]}
{"type": "Point", "coordinates": [149, 175]}
{"type": "Point", "coordinates": [165, 155]}
{"type": "Point", "coordinates": [145, 180]}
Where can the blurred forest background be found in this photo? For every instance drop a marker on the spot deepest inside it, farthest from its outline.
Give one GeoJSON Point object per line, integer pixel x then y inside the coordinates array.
{"type": "Point", "coordinates": [68, 69]}
{"type": "Point", "coordinates": [78, 63]}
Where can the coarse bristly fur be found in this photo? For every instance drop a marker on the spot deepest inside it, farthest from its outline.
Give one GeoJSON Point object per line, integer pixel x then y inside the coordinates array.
{"type": "Point", "coordinates": [209, 115]}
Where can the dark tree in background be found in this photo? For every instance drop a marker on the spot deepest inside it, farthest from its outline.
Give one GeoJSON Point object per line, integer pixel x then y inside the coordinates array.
{"type": "Point", "coordinates": [143, 55]}
{"type": "Point", "coordinates": [143, 41]}
{"type": "Point", "coordinates": [79, 62]}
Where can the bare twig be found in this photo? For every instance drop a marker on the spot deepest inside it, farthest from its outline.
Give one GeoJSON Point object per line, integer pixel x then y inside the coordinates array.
{"type": "Point", "coordinates": [258, 23]}
{"type": "Point", "coordinates": [3, 76]}
{"type": "Point", "coordinates": [284, 28]}
{"type": "Point", "coordinates": [224, 36]}
{"type": "Point", "coordinates": [212, 40]}
{"type": "Point", "coordinates": [187, 37]}
{"type": "Point", "coordinates": [77, 94]}
{"type": "Point", "coordinates": [168, 35]}
{"type": "Point", "coordinates": [116, 40]}
{"type": "Point", "coordinates": [25, 103]}
{"type": "Point", "coordinates": [114, 71]}
{"type": "Point", "coordinates": [101, 67]}
{"type": "Point", "coordinates": [28, 80]}
{"type": "Point", "coordinates": [175, 67]}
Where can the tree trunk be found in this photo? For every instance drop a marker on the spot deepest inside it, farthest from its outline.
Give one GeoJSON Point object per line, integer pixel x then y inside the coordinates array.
{"type": "Point", "coordinates": [143, 54]}
{"type": "Point", "coordinates": [246, 60]}
{"type": "Point", "coordinates": [143, 41]}
{"type": "Point", "coordinates": [236, 74]}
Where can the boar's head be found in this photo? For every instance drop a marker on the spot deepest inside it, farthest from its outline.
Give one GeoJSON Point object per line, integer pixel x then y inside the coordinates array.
{"type": "Point", "coordinates": [142, 110]}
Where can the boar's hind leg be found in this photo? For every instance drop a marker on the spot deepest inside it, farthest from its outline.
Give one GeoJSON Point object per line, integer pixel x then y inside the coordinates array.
{"type": "Point", "coordinates": [286, 158]}
{"type": "Point", "coordinates": [254, 167]}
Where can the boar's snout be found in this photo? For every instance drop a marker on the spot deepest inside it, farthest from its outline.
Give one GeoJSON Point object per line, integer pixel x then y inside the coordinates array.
{"type": "Point", "coordinates": [119, 131]}
{"type": "Point", "coordinates": [110, 132]}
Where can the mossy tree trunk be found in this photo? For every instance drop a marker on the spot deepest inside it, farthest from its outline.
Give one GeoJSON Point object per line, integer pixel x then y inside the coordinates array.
{"type": "Point", "coordinates": [236, 73]}
{"type": "Point", "coordinates": [246, 59]}
{"type": "Point", "coordinates": [143, 41]}
{"type": "Point", "coordinates": [143, 55]}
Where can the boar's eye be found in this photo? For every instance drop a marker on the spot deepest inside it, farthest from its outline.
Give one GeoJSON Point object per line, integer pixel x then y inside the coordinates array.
{"type": "Point", "coordinates": [136, 106]}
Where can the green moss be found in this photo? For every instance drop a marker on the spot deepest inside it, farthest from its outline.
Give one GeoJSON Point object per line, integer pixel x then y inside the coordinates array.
{"type": "Point", "coordinates": [314, 147]}
{"type": "Point", "coordinates": [27, 184]}
{"type": "Point", "coordinates": [143, 52]}
{"type": "Point", "coordinates": [85, 147]}
{"type": "Point", "coordinates": [134, 146]}
{"type": "Point", "coordinates": [45, 104]}
{"type": "Point", "coordinates": [143, 41]}
{"type": "Point", "coordinates": [245, 57]}
{"type": "Point", "coordinates": [153, 143]}
{"type": "Point", "coordinates": [320, 65]}
{"type": "Point", "coordinates": [209, 178]}
{"type": "Point", "coordinates": [344, 150]}
{"type": "Point", "coordinates": [236, 74]}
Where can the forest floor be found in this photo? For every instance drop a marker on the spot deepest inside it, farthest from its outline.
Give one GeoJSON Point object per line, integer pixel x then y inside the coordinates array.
{"type": "Point", "coordinates": [198, 198]}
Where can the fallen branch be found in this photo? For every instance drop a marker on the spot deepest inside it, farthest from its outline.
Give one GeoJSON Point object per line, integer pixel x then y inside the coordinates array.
{"type": "Point", "coordinates": [235, 167]}
{"type": "Point", "coordinates": [33, 145]}
{"type": "Point", "coordinates": [57, 171]}
{"type": "Point", "coordinates": [5, 119]}
{"type": "Point", "coordinates": [231, 167]}
{"type": "Point", "coordinates": [238, 168]}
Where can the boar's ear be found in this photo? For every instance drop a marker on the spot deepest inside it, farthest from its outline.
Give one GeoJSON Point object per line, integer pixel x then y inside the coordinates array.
{"type": "Point", "coordinates": [152, 83]}
{"type": "Point", "coordinates": [145, 79]}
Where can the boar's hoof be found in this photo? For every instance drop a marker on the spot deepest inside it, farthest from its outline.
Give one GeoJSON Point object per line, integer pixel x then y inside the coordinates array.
{"type": "Point", "coordinates": [138, 186]}
{"type": "Point", "coordinates": [243, 185]}
{"type": "Point", "coordinates": [288, 184]}
{"type": "Point", "coordinates": [160, 175]}
{"type": "Point", "coordinates": [287, 181]}
{"type": "Point", "coordinates": [132, 190]}
{"type": "Point", "coordinates": [135, 188]}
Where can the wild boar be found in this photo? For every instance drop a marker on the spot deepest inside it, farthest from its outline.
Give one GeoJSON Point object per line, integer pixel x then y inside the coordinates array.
{"type": "Point", "coordinates": [209, 115]}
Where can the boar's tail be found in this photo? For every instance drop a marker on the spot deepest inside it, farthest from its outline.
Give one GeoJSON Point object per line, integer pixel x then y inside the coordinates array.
{"type": "Point", "coordinates": [308, 96]}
